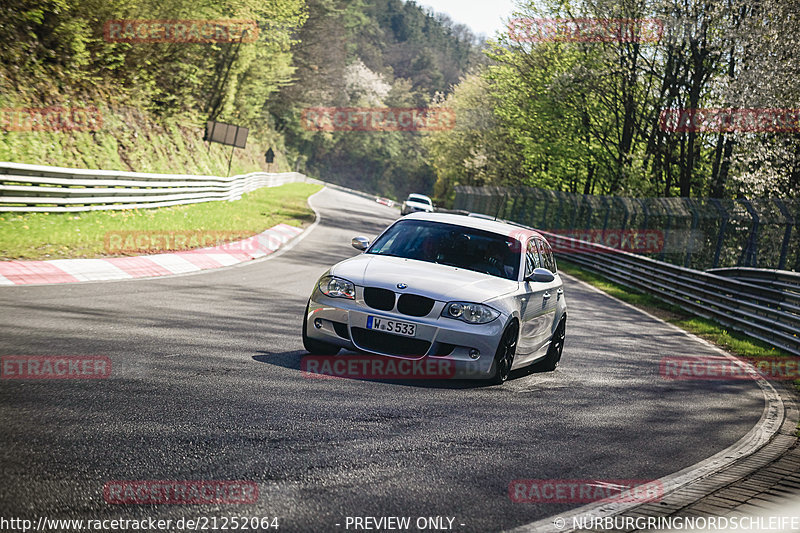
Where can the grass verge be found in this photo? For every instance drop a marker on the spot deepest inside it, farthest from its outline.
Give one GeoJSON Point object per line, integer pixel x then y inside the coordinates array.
{"type": "Point", "coordinates": [73, 235]}
{"type": "Point", "coordinates": [734, 342]}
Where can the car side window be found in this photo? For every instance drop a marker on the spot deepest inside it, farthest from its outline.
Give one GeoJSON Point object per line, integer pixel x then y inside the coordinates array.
{"type": "Point", "coordinates": [532, 259]}
{"type": "Point", "coordinates": [547, 256]}
{"type": "Point", "coordinates": [551, 258]}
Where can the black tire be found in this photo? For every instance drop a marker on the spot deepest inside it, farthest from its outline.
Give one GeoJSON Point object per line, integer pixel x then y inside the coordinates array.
{"type": "Point", "coordinates": [314, 346]}
{"type": "Point", "coordinates": [553, 356]}
{"type": "Point", "coordinates": [504, 357]}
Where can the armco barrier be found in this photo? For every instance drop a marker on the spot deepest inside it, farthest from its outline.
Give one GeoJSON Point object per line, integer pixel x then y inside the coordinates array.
{"type": "Point", "coordinates": [776, 279]}
{"type": "Point", "coordinates": [768, 313]}
{"type": "Point", "coordinates": [27, 188]}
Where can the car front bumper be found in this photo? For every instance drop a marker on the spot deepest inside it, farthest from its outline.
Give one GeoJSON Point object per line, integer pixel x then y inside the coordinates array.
{"type": "Point", "coordinates": [407, 210]}
{"type": "Point", "coordinates": [465, 351]}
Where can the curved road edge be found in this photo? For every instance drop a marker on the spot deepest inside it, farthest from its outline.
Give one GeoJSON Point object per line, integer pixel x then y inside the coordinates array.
{"type": "Point", "coordinates": [769, 439]}
{"type": "Point", "coordinates": [270, 243]}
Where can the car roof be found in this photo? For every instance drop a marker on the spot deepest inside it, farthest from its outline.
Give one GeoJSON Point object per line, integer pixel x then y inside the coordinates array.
{"type": "Point", "coordinates": [415, 196]}
{"type": "Point", "coordinates": [495, 226]}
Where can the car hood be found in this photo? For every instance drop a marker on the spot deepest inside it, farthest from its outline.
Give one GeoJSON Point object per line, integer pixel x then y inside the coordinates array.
{"type": "Point", "coordinates": [440, 282]}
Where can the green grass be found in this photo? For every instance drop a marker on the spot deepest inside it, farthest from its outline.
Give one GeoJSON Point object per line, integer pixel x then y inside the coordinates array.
{"type": "Point", "coordinates": [734, 342]}
{"type": "Point", "coordinates": [72, 235]}
{"type": "Point", "coordinates": [132, 139]}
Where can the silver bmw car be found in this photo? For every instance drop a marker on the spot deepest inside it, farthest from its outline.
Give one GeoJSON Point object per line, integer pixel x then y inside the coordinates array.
{"type": "Point", "coordinates": [483, 295]}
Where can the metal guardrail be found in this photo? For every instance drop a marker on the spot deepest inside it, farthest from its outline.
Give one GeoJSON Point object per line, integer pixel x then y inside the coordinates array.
{"type": "Point", "coordinates": [363, 194]}
{"type": "Point", "coordinates": [29, 188]}
{"type": "Point", "coordinates": [768, 313]}
{"type": "Point", "coordinates": [777, 279]}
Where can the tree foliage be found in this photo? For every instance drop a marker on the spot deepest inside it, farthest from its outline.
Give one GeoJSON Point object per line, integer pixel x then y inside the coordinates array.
{"type": "Point", "coordinates": [370, 53]}
{"type": "Point", "coordinates": [585, 116]}
{"type": "Point", "coordinates": [55, 50]}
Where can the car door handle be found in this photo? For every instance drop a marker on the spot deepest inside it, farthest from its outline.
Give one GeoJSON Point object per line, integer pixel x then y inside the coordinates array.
{"type": "Point", "coordinates": [559, 292]}
{"type": "Point", "coordinates": [546, 296]}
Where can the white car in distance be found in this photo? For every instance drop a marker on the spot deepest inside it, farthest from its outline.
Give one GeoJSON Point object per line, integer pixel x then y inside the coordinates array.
{"type": "Point", "coordinates": [416, 203]}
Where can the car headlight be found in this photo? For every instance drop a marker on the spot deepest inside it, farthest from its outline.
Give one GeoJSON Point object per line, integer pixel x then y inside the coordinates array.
{"type": "Point", "coordinates": [470, 313]}
{"type": "Point", "coordinates": [337, 287]}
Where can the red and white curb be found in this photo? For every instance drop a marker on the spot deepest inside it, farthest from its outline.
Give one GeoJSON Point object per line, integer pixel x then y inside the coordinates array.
{"type": "Point", "coordinates": [146, 266]}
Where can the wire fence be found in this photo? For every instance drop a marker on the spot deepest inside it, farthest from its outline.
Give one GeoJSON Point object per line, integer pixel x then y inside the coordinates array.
{"type": "Point", "coordinates": [698, 233]}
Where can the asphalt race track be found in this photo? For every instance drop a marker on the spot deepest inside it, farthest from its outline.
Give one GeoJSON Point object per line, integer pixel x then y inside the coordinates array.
{"type": "Point", "coordinates": [206, 385]}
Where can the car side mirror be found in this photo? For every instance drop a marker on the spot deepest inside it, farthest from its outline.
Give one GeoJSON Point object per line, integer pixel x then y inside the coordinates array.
{"type": "Point", "coordinates": [360, 243]}
{"type": "Point", "coordinates": [541, 275]}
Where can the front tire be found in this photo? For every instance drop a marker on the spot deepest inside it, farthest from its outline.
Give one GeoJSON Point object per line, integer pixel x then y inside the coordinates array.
{"type": "Point", "coordinates": [314, 346]}
{"type": "Point", "coordinates": [553, 356]}
{"type": "Point", "coordinates": [504, 357]}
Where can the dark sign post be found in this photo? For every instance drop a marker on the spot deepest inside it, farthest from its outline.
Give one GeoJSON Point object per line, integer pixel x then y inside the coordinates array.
{"type": "Point", "coordinates": [229, 134]}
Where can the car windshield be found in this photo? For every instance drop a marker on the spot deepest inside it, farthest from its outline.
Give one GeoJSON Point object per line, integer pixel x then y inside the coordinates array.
{"type": "Point", "coordinates": [420, 199]}
{"type": "Point", "coordinates": [453, 245]}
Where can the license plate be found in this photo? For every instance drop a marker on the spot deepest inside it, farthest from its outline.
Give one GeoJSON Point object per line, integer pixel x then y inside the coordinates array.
{"type": "Point", "coordinates": [392, 326]}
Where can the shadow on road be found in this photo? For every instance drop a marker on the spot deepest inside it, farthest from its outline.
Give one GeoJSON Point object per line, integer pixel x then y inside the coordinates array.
{"type": "Point", "coordinates": [293, 360]}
